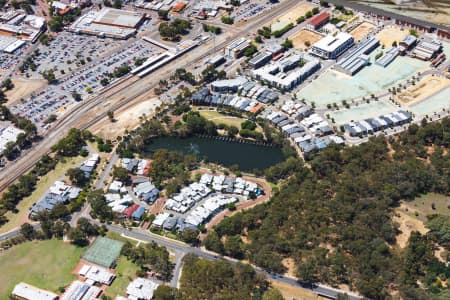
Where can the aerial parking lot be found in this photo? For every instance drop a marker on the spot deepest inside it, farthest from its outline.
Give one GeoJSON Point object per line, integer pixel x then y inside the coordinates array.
{"type": "Point", "coordinates": [69, 51]}
{"type": "Point", "coordinates": [58, 97]}
{"type": "Point", "coordinates": [9, 61]}
{"type": "Point", "coordinates": [250, 10]}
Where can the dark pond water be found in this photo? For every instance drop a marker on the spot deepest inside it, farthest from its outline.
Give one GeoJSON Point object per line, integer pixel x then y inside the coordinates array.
{"type": "Point", "coordinates": [247, 156]}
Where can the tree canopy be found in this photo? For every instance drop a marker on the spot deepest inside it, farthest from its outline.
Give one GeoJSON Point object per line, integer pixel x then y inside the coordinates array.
{"type": "Point", "coordinates": [334, 216]}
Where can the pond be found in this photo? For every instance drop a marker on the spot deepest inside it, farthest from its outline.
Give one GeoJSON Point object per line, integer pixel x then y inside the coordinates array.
{"type": "Point", "coordinates": [246, 156]}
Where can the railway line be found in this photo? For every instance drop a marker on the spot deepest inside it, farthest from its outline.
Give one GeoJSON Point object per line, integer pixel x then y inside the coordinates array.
{"type": "Point", "coordinates": [124, 87]}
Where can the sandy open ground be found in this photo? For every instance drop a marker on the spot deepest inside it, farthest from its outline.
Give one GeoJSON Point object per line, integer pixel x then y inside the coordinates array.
{"type": "Point", "coordinates": [436, 11]}
{"type": "Point", "coordinates": [289, 263]}
{"type": "Point", "coordinates": [125, 119]}
{"type": "Point", "coordinates": [24, 87]}
{"type": "Point", "coordinates": [290, 292]}
{"type": "Point", "coordinates": [425, 88]}
{"type": "Point", "coordinates": [303, 36]}
{"type": "Point", "coordinates": [299, 10]}
{"type": "Point", "coordinates": [390, 34]}
{"type": "Point", "coordinates": [362, 30]}
{"type": "Point", "coordinates": [407, 225]}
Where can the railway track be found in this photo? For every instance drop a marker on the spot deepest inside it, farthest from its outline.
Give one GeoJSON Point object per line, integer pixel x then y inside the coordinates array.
{"type": "Point", "coordinates": [70, 119]}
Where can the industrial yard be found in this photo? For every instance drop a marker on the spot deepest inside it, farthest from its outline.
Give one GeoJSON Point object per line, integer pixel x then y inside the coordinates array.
{"type": "Point", "coordinates": [304, 39]}
{"type": "Point", "coordinates": [362, 30]}
{"type": "Point", "coordinates": [425, 88]}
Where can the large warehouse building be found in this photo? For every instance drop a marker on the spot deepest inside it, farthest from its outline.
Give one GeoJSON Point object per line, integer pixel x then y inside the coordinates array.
{"type": "Point", "coordinates": [109, 22]}
{"type": "Point", "coordinates": [331, 47]}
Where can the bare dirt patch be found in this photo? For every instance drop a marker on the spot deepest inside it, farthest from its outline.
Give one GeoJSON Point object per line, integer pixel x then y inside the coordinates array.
{"type": "Point", "coordinates": [298, 11]}
{"type": "Point", "coordinates": [305, 37]}
{"type": "Point", "coordinates": [289, 263]}
{"type": "Point", "coordinates": [362, 30]}
{"type": "Point", "coordinates": [290, 292]}
{"type": "Point", "coordinates": [390, 35]}
{"type": "Point", "coordinates": [126, 118]}
{"type": "Point", "coordinates": [428, 86]}
{"type": "Point", "coordinates": [407, 224]}
{"type": "Point", "coordinates": [23, 88]}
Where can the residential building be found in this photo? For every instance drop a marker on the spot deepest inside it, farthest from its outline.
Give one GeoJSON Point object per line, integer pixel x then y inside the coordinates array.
{"type": "Point", "coordinates": [288, 72]}
{"type": "Point", "coordinates": [146, 191]}
{"type": "Point", "coordinates": [228, 85]}
{"type": "Point", "coordinates": [141, 289]}
{"type": "Point", "coordinates": [59, 193]}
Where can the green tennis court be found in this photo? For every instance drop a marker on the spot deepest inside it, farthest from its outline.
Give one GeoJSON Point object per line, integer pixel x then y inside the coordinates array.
{"type": "Point", "coordinates": [104, 252]}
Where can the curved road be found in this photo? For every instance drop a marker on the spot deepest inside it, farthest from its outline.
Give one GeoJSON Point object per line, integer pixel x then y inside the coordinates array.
{"type": "Point", "coordinates": [180, 249]}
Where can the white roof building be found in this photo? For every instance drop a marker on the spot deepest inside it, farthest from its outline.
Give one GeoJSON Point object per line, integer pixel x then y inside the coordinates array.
{"type": "Point", "coordinates": [160, 218]}
{"type": "Point", "coordinates": [141, 289]}
{"type": "Point", "coordinates": [81, 291]}
{"type": "Point", "coordinates": [96, 274]}
{"type": "Point", "coordinates": [29, 292]}
{"type": "Point", "coordinates": [330, 47]}
{"type": "Point", "coordinates": [8, 134]}
{"type": "Point", "coordinates": [115, 186]}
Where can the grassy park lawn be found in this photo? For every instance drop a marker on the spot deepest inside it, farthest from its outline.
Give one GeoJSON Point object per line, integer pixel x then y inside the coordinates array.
{"type": "Point", "coordinates": [15, 220]}
{"type": "Point", "coordinates": [125, 273]}
{"type": "Point", "coordinates": [219, 118]}
{"type": "Point", "coordinates": [118, 237]}
{"type": "Point", "coordinates": [44, 264]}
{"type": "Point", "coordinates": [423, 206]}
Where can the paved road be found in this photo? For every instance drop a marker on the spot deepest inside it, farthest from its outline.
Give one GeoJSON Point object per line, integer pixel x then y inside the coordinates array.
{"type": "Point", "coordinates": [84, 213]}
{"type": "Point", "coordinates": [392, 15]}
{"type": "Point", "coordinates": [123, 92]}
{"type": "Point", "coordinates": [180, 247]}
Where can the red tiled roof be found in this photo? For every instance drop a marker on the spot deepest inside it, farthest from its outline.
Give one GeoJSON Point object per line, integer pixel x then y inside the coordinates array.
{"type": "Point", "coordinates": [319, 19]}
{"type": "Point", "coordinates": [130, 210]}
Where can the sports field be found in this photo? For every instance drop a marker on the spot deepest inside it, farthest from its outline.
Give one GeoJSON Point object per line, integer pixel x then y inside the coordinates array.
{"type": "Point", "coordinates": [44, 264]}
{"type": "Point", "coordinates": [103, 252]}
